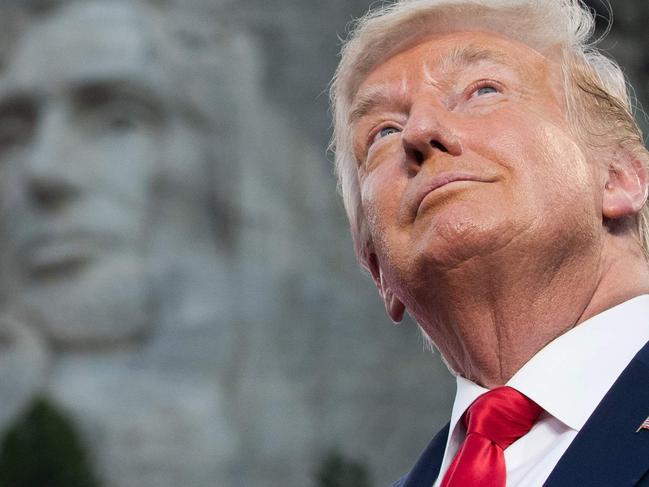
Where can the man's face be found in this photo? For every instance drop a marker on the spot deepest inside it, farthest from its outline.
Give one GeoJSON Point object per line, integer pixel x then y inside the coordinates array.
{"type": "Point", "coordinates": [81, 124]}
{"type": "Point", "coordinates": [465, 153]}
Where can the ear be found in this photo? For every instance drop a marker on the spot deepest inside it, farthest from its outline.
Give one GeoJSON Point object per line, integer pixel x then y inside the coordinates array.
{"type": "Point", "coordinates": [393, 306]}
{"type": "Point", "coordinates": [625, 191]}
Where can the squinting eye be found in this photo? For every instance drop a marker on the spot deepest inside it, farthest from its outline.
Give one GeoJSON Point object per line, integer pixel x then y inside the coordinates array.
{"type": "Point", "coordinates": [485, 90]}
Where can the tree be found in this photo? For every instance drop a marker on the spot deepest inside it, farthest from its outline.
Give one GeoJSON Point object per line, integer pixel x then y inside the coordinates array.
{"type": "Point", "coordinates": [338, 471]}
{"type": "Point", "coordinates": [43, 448]}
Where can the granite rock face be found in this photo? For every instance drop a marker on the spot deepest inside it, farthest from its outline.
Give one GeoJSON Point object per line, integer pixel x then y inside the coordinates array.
{"type": "Point", "coordinates": [116, 248]}
{"type": "Point", "coordinates": [176, 266]}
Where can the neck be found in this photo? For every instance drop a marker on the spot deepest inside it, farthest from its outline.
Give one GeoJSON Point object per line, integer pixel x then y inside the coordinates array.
{"type": "Point", "coordinates": [488, 320]}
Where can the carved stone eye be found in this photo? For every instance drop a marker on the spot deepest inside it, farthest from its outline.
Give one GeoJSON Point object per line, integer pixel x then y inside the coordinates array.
{"type": "Point", "coordinates": [121, 122]}
{"type": "Point", "coordinates": [13, 130]}
{"type": "Point", "coordinates": [16, 124]}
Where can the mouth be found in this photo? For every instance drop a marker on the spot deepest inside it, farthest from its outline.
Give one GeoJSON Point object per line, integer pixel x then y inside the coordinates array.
{"type": "Point", "coordinates": [444, 179]}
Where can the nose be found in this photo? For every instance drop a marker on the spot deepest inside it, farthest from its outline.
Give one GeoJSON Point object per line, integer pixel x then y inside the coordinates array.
{"type": "Point", "coordinates": [49, 173]}
{"type": "Point", "coordinates": [430, 130]}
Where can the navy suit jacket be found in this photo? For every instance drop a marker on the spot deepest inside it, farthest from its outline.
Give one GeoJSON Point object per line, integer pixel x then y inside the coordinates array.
{"type": "Point", "coordinates": [607, 452]}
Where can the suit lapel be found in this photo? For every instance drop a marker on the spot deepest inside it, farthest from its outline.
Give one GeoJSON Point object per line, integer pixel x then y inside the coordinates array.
{"type": "Point", "coordinates": [608, 450]}
{"type": "Point", "coordinates": [426, 470]}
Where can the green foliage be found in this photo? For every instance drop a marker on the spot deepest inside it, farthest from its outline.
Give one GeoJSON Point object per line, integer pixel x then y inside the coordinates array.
{"type": "Point", "coordinates": [338, 471]}
{"type": "Point", "coordinates": [43, 449]}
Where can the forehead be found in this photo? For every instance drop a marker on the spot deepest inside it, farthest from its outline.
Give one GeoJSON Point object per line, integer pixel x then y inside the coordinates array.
{"type": "Point", "coordinates": [446, 54]}
{"type": "Point", "coordinates": [81, 43]}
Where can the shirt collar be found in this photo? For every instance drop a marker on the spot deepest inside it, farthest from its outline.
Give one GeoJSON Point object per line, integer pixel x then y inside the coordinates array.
{"type": "Point", "coordinates": [569, 377]}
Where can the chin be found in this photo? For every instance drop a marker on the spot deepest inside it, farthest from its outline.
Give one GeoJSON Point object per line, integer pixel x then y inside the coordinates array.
{"type": "Point", "coordinates": [104, 302]}
{"type": "Point", "coordinates": [448, 242]}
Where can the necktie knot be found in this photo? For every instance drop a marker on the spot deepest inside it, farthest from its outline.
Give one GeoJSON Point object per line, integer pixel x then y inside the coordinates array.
{"type": "Point", "coordinates": [502, 415]}
{"type": "Point", "coordinates": [494, 421]}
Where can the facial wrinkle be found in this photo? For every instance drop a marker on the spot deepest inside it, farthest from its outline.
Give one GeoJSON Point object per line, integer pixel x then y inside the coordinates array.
{"type": "Point", "coordinates": [429, 76]}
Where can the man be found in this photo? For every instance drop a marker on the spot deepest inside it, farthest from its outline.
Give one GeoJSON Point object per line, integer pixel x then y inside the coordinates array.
{"type": "Point", "coordinates": [496, 186]}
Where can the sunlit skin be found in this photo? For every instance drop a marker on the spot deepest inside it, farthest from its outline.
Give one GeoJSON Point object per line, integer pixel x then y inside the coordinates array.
{"type": "Point", "coordinates": [489, 219]}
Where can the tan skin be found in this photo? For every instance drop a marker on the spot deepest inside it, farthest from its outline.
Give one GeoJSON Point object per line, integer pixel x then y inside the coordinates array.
{"type": "Point", "coordinates": [486, 213]}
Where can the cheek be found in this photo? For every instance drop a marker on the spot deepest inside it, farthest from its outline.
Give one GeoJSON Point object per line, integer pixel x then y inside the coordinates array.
{"type": "Point", "coordinates": [539, 154]}
{"type": "Point", "coordinates": [547, 177]}
{"type": "Point", "coordinates": [561, 186]}
{"type": "Point", "coordinates": [382, 191]}
{"type": "Point", "coordinates": [562, 167]}
{"type": "Point", "coordinates": [378, 201]}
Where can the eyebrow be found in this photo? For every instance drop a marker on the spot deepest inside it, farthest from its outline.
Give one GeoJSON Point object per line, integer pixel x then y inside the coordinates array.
{"type": "Point", "coordinates": [92, 91]}
{"type": "Point", "coordinates": [461, 57]}
{"type": "Point", "coordinates": [98, 91]}
{"type": "Point", "coordinates": [369, 99]}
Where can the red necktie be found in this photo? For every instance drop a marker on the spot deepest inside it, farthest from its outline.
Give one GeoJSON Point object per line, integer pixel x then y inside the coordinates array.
{"type": "Point", "coordinates": [494, 421]}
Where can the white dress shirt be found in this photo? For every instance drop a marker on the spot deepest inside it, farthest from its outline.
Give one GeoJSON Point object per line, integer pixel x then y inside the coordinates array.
{"type": "Point", "coordinates": [568, 378]}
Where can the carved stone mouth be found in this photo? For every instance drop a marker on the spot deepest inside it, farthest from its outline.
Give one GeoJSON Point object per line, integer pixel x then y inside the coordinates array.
{"type": "Point", "coordinates": [50, 254]}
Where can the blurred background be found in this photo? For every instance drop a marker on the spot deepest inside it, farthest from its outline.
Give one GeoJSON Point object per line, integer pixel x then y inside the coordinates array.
{"type": "Point", "coordinates": [179, 299]}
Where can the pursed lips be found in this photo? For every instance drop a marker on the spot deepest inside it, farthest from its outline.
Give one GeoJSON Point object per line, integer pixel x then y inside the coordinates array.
{"type": "Point", "coordinates": [443, 179]}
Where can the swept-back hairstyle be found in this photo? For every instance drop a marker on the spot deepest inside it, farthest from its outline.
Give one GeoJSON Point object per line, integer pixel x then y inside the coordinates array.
{"type": "Point", "coordinates": [598, 102]}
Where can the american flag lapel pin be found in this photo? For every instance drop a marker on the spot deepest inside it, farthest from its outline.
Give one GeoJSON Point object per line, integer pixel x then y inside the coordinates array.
{"type": "Point", "coordinates": [644, 425]}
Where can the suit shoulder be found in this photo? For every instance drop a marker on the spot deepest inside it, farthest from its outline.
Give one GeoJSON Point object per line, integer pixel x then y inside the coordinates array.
{"type": "Point", "coordinates": [426, 469]}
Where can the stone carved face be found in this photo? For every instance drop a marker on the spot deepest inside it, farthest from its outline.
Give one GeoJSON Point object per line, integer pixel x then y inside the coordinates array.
{"type": "Point", "coordinates": [82, 127]}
